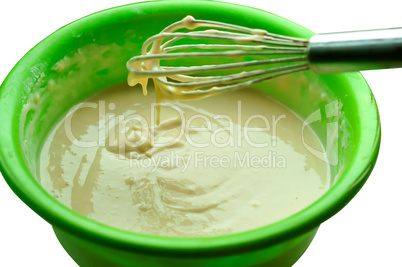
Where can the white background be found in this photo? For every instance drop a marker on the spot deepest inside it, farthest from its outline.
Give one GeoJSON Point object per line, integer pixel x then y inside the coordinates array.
{"type": "Point", "coordinates": [367, 232]}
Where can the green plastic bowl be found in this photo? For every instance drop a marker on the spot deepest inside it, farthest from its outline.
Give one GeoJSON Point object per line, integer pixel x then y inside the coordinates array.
{"type": "Point", "coordinates": [89, 55]}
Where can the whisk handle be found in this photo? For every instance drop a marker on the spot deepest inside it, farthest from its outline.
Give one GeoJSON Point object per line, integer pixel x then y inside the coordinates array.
{"type": "Point", "coordinates": [354, 51]}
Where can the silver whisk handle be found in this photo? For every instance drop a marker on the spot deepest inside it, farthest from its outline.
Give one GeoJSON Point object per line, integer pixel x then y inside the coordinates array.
{"type": "Point", "coordinates": [354, 51]}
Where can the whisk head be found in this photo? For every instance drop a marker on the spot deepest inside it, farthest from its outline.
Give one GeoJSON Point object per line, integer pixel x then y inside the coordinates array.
{"type": "Point", "coordinates": [252, 56]}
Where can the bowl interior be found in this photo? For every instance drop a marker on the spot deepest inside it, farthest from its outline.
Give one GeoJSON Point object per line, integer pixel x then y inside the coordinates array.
{"type": "Point", "coordinates": [90, 55]}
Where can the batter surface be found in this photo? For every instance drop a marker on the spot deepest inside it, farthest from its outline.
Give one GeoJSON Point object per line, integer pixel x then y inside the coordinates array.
{"type": "Point", "coordinates": [214, 166]}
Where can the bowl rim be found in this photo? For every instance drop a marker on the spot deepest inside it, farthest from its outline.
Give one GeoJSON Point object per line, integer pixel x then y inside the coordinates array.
{"type": "Point", "coordinates": [19, 178]}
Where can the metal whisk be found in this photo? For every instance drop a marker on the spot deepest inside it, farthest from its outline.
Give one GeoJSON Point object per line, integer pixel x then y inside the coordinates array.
{"type": "Point", "coordinates": [277, 55]}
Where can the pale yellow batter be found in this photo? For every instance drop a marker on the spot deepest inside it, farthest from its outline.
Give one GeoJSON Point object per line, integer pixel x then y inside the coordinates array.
{"type": "Point", "coordinates": [220, 165]}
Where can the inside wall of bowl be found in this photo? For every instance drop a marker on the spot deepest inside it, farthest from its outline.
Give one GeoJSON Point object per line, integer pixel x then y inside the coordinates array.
{"type": "Point", "coordinates": [322, 103]}
{"type": "Point", "coordinates": [78, 61]}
